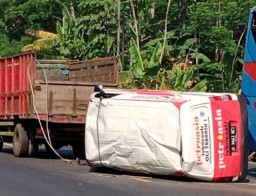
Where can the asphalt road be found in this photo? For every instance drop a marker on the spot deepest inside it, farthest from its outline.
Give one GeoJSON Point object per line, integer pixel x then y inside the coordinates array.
{"type": "Point", "coordinates": [44, 176]}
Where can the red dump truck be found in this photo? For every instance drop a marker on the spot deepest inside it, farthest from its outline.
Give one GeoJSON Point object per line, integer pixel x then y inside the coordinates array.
{"type": "Point", "coordinates": [45, 101]}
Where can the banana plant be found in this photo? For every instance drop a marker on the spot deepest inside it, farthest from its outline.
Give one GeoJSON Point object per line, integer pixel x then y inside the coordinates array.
{"type": "Point", "coordinates": [183, 78]}
{"type": "Point", "coordinates": [170, 73]}
{"type": "Point", "coordinates": [74, 39]}
{"type": "Point", "coordinates": [222, 77]}
{"type": "Point", "coordinates": [143, 72]}
{"type": "Point", "coordinates": [45, 40]}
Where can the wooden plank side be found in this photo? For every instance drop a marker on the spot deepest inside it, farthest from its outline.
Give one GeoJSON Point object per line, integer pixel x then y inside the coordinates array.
{"type": "Point", "coordinates": [63, 100]}
{"type": "Point", "coordinates": [99, 70]}
{"type": "Point", "coordinates": [99, 79]}
{"type": "Point", "coordinates": [103, 74]}
{"type": "Point", "coordinates": [76, 83]}
{"type": "Point", "coordinates": [51, 75]}
{"type": "Point", "coordinates": [93, 63]}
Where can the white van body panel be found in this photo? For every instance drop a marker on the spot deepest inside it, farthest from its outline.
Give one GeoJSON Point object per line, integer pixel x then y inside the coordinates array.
{"type": "Point", "coordinates": [197, 139]}
{"type": "Point", "coordinates": [134, 135]}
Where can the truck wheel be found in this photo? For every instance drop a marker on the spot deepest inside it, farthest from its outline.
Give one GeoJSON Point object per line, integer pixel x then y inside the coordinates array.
{"type": "Point", "coordinates": [32, 148]}
{"type": "Point", "coordinates": [79, 150]}
{"type": "Point", "coordinates": [1, 143]}
{"type": "Point", "coordinates": [20, 141]}
{"type": "Point", "coordinates": [32, 144]}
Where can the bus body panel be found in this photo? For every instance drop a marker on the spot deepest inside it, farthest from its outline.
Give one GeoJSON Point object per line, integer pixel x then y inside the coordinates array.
{"type": "Point", "coordinates": [249, 77]}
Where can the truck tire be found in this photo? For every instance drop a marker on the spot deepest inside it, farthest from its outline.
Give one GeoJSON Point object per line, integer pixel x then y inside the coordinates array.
{"type": "Point", "coordinates": [32, 148]}
{"type": "Point", "coordinates": [20, 141]}
{"type": "Point", "coordinates": [32, 144]}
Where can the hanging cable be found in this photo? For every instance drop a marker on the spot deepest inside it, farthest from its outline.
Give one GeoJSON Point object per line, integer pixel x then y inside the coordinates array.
{"type": "Point", "coordinates": [47, 105]}
{"type": "Point", "coordinates": [48, 140]}
{"type": "Point", "coordinates": [97, 127]}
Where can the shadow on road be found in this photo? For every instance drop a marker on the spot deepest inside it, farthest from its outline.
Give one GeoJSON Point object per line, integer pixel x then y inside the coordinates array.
{"type": "Point", "coordinates": [109, 171]}
{"type": "Point", "coordinates": [252, 169]}
{"type": "Point", "coordinates": [67, 153]}
{"type": "Point", "coordinates": [64, 152]}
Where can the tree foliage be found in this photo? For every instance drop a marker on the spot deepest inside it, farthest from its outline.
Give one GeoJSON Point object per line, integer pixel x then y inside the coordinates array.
{"type": "Point", "coordinates": [188, 45]}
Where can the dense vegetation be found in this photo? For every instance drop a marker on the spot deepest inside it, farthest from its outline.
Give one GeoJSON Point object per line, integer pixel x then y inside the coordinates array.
{"type": "Point", "coordinates": [194, 45]}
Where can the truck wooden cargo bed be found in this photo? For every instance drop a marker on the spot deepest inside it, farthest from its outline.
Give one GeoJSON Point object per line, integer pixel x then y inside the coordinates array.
{"type": "Point", "coordinates": [52, 96]}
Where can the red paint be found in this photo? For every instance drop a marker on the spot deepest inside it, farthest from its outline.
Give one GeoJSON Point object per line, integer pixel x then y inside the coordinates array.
{"type": "Point", "coordinates": [152, 92]}
{"type": "Point", "coordinates": [250, 69]}
{"type": "Point", "coordinates": [179, 104]}
{"type": "Point", "coordinates": [14, 85]}
{"type": "Point", "coordinates": [166, 96]}
{"type": "Point", "coordinates": [226, 163]}
{"type": "Point", "coordinates": [179, 173]}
